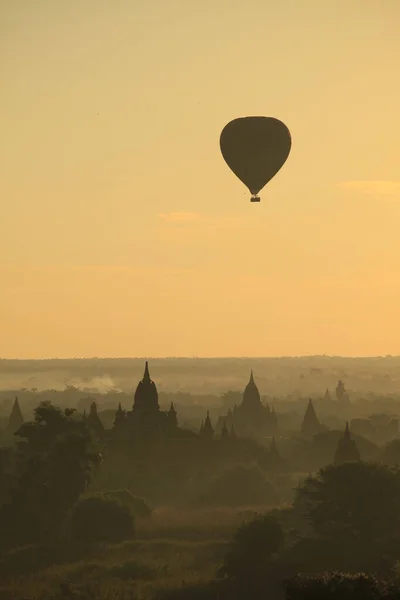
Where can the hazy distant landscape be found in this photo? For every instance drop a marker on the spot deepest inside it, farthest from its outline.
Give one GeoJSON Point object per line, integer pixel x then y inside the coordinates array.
{"type": "Point", "coordinates": [274, 376]}
{"type": "Point", "coordinates": [186, 478]}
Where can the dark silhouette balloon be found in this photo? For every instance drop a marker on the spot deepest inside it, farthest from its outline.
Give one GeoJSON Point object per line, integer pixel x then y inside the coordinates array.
{"type": "Point", "coordinates": [255, 149]}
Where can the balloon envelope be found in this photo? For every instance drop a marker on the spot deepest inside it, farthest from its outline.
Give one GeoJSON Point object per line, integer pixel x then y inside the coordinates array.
{"type": "Point", "coordinates": [255, 149]}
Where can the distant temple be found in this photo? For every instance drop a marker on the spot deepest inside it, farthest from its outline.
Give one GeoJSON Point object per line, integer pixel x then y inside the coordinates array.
{"type": "Point", "coordinates": [16, 419]}
{"type": "Point", "coordinates": [206, 429]}
{"type": "Point", "coordinates": [146, 395]}
{"type": "Point", "coordinates": [251, 418]}
{"type": "Point", "coordinates": [341, 394]}
{"type": "Point", "coordinates": [94, 421]}
{"type": "Point", "coordinates": [346, 450]}
{"type": "Point", "coordinates": [310, 425]}
{"type": "Point", "coordinates": [145, 421]}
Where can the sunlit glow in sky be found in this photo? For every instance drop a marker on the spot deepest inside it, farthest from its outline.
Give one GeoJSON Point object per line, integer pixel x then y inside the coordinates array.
{"type": "Point", "coordinates": [122, 230]}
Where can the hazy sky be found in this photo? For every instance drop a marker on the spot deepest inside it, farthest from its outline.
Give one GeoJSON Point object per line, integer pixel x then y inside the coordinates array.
{"type": "Point", "coordinates": [123, 232]}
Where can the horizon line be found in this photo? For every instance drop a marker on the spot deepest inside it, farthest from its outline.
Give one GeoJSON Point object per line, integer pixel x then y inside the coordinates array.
{"type": "Point", "coordinates": [194, 357]}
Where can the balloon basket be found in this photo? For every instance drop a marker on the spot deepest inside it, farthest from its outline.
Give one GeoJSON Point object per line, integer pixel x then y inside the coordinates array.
{"type": "Point", "coordinates": [255, 199]}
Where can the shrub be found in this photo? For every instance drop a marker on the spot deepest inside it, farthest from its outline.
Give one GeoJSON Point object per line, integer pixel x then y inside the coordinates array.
{"type": "Point", "coordinates": [252, 550]}
{"type": "Point", "coordinates": [100, 518]}
{"type": "Point", "coordinates": [339, 586]}
{"type": "Point", "coordinates": [138, 506]}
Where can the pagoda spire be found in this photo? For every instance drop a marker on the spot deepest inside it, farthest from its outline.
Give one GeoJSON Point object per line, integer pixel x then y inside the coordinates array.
{"type": "Point", "coordinates": [146, 395]}
{"type": "Point", "coordinates": [251, 395]}
{"type": "Point", "coordinates": [16, 419]}
{"type": "Point", "coordinates": [146, 376]}
{"type": "Point", "coordinates": [346, 450]}
{"type": "Point", "coordinates": [208, 431]}
{"type": "Point", "coordinates": [311, 424]}
{"type": "Point", "coordinates": [94, 420]}
{"type": "Point", "coordinates": [120, 416]}
{"type": "Point", "coordinates": [172, 416]}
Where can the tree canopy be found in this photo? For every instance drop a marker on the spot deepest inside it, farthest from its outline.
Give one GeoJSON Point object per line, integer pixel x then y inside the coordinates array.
{"type": "Point", "coordinates": [358, 501]}
{"type": "Point", "coordinates": [54, 462]}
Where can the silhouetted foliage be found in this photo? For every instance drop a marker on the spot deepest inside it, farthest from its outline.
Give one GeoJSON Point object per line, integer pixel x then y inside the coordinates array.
{"type": "Point", "coordinates": [340, 586]}
{"type": "Point", "coordinates": [138, 506]}
{"type": "Point", "coordinates": [7, 472]}
{"type": "Point", "coordinates": [249, 557]}
{"type": "Point", "coordinates": [357, 501]}
{"type": "Point", "coordinates": [100, 518]}
{"type": "Point", "coordinates": [53, 465]}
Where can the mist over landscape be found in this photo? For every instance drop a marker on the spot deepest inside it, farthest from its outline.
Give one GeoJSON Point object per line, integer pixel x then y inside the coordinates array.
{"type": "Point", "coordinates": [222, 455]}
{"type": "Point", "coordinates": [275, 376]}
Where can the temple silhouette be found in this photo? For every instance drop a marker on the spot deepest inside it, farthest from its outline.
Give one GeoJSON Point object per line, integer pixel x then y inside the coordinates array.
{"type": "Point", "coordinates": [310, 425]}
{"type": "Point", "coordinates": [146, 420]}
{"type": "Point", "coordinates": [346, 450]}
{"type": "Point", "coordinates": [15, 420]}
{"type": "Point", "coordinates": [146, 433]}
{"type": "Point", "coordinates": [251, 418]}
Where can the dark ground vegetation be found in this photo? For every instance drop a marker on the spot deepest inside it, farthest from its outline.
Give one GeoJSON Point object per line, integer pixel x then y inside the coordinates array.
{"type": "Point", "coordinates": [67, 532]}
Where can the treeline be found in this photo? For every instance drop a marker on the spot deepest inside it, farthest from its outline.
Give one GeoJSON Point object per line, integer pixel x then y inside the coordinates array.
{"type": "Point", "coordinates": [339, 541]}
{"type": "Point", "coordinates": [45, 480]}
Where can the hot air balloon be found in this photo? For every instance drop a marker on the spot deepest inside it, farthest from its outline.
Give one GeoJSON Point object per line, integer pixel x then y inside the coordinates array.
{"type": "Point", "coordinates": [255, 149]}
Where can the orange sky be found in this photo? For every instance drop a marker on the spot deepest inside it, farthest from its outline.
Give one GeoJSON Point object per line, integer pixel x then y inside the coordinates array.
{"type": "Point", "coordinates": [122, 230]}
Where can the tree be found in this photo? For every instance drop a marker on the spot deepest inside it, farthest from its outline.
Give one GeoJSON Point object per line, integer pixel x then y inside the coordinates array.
{"type": "Point", "coordinates": [137, 505]}
{"type": "Point", "coordinates": [7, 472]}
{"type": "Point", "coordinates": [54, 463]}
{"type": "Point", "coordinates": [353, 502]}
{"type": "Point", "coordinates": [249, 557]}
{"type": "Point", "coordinates": [101, 518]}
